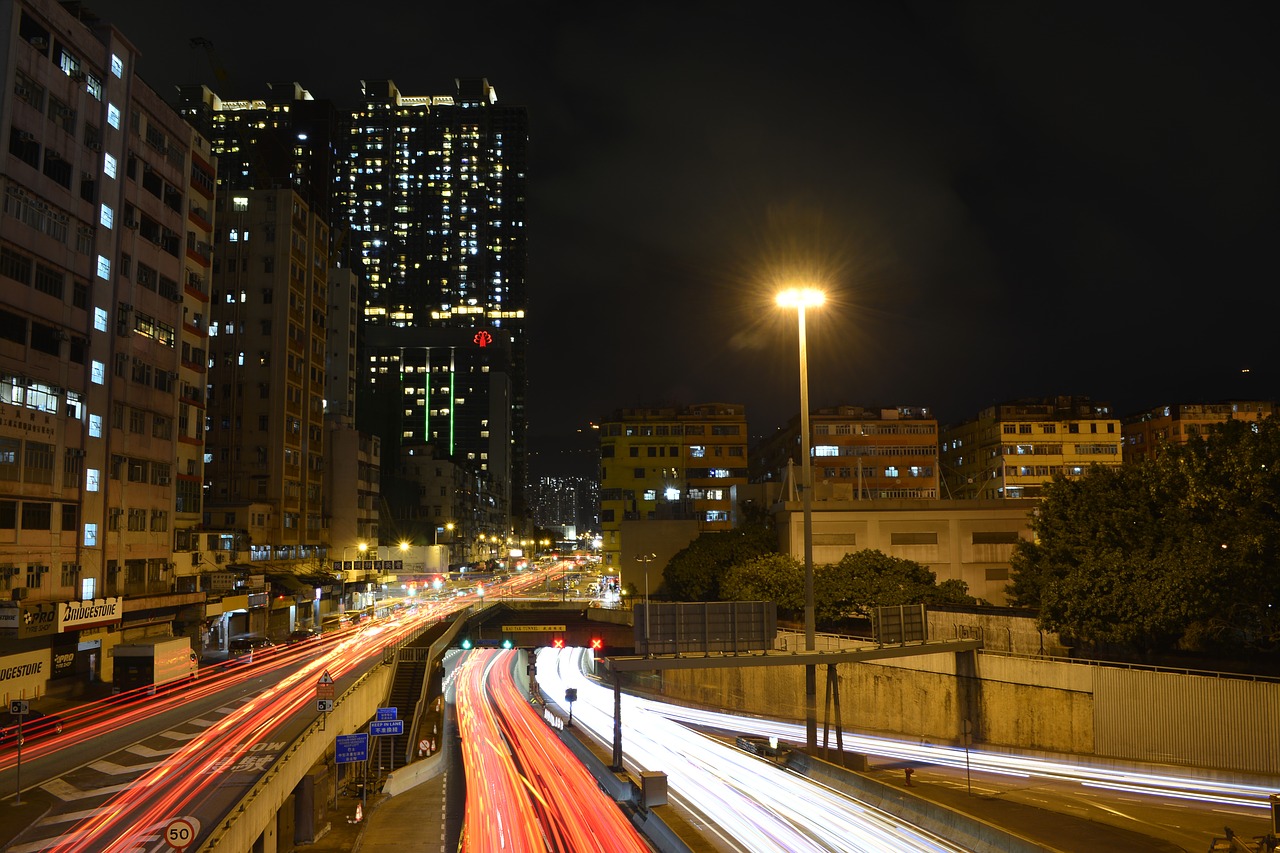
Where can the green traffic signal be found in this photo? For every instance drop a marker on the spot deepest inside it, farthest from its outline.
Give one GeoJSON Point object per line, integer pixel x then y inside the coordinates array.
{"type": "Point", "coordinates": [506, 644]}
{"type": "Point", "coordinates": [466, 644]}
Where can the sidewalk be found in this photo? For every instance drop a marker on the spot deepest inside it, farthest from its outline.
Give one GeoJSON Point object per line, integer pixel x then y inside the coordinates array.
{"type": "Point", "coordinates": [411, 822]}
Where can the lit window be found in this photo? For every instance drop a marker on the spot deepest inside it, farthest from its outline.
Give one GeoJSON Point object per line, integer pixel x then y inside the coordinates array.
{"type": "Point", "coordinates": [650, 494]}
{"type": "Point", "coordinates": [95, 426]}
{"type": "Point", "coordinates": [90, 535]}
{"type": "Point", "coordinates": [91, 479]}
{"type": "Point", "coordinates": [117, 66]}
{"type": "Point", "coordinates": [98, 373]}
{"type": "Point", "coordinates": [109, 165]}
{"type": "Point", "coordinates": [104, 268]}
{"type": "Point", "coordinates": [240, 202]}
{"type": "Point", "coordinates": [826, 450]}
{"type": "Point", "coordinates": [891, 471]}
{"type": "Point", "coordinates": [113, 116]}
{"type": "Point", "coordinates": [697, 451]}
{"type": "Point", "coordinates": [672, 494]}
{"type": "Point", "coordinates": [100, 319]}
{"type": "Point", "coordinates": [106, 217]}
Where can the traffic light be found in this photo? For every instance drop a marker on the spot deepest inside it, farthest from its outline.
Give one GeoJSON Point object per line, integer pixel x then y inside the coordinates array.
{"type": "Point", "coordinates": [597, 644]}
{"type": "Point", "coordinates": [506, 644]}
{"type": "Point", "coordinates": [557, 642]}
{"type": "Point", "coordinates": [465, 644]}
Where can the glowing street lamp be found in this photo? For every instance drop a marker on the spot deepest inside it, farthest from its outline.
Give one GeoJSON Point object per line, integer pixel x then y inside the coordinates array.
{"type": "Point", "coordinates": [448, 526]}
{"type": "Point", "coordinates": [800, 299]}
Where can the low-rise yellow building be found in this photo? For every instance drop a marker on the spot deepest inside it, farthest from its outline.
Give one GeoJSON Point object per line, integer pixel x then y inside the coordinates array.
{"type": "Point", "coordinates": [1145, 433]}
{"type": "Point", "coordinates": [670, 464]}
{"type": "Point", "coordinates": [1013, 449]}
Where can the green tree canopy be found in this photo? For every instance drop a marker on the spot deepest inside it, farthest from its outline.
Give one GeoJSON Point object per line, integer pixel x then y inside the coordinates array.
{"type": "Point", "coordinates": [768, 577]}
{"type": "Point", "coordinates": [1176, 553]}
{"type": "Point", "coordinates": [695, 573]}
{"type": "Point", "coordinates": [865, 580]}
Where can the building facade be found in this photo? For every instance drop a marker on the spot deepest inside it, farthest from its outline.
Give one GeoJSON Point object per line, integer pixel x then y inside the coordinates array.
{"type": "Point", "coordinates": [436, 208]}
{"type": "Point", "coordinates": [104, 259]}
{"type": "Point", "coordinates": [672, 464]}
{"type": "Point", "coordinates": [1147, 432]}
{"type": "Point", "coordinates": [858, 453]}
{"type": "Point", "coordinates": [1013, 449]}
{"type": "Point", "coordinates": [267, 349]}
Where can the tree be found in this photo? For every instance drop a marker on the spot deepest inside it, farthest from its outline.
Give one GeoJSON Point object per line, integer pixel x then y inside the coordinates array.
{"type": "Point", "coordinates": [695, 573]}
{"type": "Point", "coordinates": [1175, 553]}
{"type": "Point", "coordinates": [768, 577]}
{"type": "Point", "coordinates": [865, 580]}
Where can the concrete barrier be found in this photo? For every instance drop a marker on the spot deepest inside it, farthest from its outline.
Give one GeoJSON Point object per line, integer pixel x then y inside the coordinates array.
{"type": "Point", "coordinates": [399, 781]}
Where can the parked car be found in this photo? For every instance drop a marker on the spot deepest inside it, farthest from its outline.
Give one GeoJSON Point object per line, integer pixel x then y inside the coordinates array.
{"type": "Point", "coordinates": [36, 724]}
{"type": "Point", "coordinates": [302, 635]}
{"type": "Point", "coordinates": [242, 648]}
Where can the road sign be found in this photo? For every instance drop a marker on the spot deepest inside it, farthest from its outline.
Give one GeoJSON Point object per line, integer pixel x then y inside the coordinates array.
{"type": "Point", "coordinates": [180, 833]}
{"type": "Point", "coordinates": [326, 678]}
{"type": "Point", "coordinates": [378, 728]}
{"type": "Point", "coordinates": [350, 749]}
{"type": "Point", "coordinates": [18, 707]}
{"type": "Point", "coordinates": [324, 691]}
{"type": "Point", "coordinates": [533, 629]}
{"type": "Point", "coordinates": [386, 714]}
{"type": "Point", "coordinates": [324, 705]}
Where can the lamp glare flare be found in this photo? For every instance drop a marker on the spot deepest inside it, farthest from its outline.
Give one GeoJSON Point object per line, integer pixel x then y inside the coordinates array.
{"type": "Point", "coordinates": [801, 297]}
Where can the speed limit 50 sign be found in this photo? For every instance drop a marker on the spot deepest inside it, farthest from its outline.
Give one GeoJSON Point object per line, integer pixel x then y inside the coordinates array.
{"type": "Point", "coordinates": [180, 833]}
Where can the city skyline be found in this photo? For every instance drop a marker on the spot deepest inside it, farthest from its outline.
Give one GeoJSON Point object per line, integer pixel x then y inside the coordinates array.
{"type": "Point", "coordinates": [1005, 202]}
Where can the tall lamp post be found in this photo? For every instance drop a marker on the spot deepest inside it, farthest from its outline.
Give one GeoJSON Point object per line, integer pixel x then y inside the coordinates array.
{"type": "Point", "coordinates": [646, 559]}
{"type": "Point", "coordinates": [800, 299]}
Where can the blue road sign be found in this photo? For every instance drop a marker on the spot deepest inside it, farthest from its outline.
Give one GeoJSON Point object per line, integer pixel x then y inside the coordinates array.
{"type": "Point", "coordinates": [386, 727]}
{"type": "Point", "coordinates": [352, 748]}
{"type": "Point", "coordinates": [386, 714]}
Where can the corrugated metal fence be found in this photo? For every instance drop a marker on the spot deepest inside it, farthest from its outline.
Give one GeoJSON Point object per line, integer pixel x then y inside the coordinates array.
{"type": "Point", "coordinates": [1187, 718]}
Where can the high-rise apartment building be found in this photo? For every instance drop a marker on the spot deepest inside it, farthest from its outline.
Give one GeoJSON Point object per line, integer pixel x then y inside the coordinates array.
{"type": "Point", "coordinates": [104, 258]}
{"type": "Point", "coordinates": [426, 200]}
{"type": "Point", "coordinates": [436, 210]}
{"type": "Point", "coordinates": [267, 339]}
{"type": "Point", "coordinates": [858, 453]}
{"type": "Point", "coordinates": [1012, 449]}
{"type": "Point", "coordinates": [1145, 433]}
{"type": "Point", "coordinates": [670, 464]}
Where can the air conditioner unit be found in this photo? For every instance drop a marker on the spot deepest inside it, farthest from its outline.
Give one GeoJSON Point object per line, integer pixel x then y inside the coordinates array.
{"type": "Point", "coordinates": [162, 481]}
{"type": "Point", "coordinates": [62, 335]}
{"type": "Point", "coordinates": [195, 558]}
{"type": "Point", "coordinates": [20, 593]}
{"type": "Point", "coordinates": [218, 558]}
{"type": "Point", "coordinates": [131, 223]}
{"type": "Point", "coordinates": [27, 136]}
{"type": "Point", "coordinates": [94, 146]}
{"type": "Point", "coordinates": [40, 43]}
{"type": "Point", "coordinates": [22, 91]}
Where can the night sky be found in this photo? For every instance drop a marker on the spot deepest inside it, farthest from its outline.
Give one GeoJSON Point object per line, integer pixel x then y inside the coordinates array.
{"type": "Point", "coordinates": [1002, 199]}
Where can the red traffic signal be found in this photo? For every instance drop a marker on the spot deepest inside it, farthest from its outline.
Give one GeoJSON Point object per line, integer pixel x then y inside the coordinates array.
{"type": "Point", "coordinates": [557, 642]}
{"type": "Point", "coordinates": [597, 644]}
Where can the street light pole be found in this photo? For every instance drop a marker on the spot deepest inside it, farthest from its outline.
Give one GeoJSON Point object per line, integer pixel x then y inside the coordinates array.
{"type": "Point", "coordinates": [645, 559]}
{"type": "Point", "coordinates": [800, 299]}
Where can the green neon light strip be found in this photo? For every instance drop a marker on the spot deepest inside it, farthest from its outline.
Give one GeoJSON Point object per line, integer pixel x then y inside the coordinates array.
{"type": "Point", "coordinates": [453, 417]}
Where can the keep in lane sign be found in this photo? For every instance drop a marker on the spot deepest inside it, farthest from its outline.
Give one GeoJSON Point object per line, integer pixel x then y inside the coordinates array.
{"type": "Point", "coordinates": [378, 728]}
{"type": "Point", "coordinates": [350, 749]}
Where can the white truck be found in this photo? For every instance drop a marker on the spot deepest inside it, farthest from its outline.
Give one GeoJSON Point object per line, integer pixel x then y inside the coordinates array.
{"type": "Point", "coordinates": [154, 664]}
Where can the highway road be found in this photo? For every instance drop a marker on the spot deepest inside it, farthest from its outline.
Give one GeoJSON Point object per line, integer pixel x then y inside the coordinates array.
{"type": "Point", "coordinates": [525, 789]}
{"type": "Point", "coordinates": [126, 767]}
{"type": "Point", "coordinates": [751, 804]}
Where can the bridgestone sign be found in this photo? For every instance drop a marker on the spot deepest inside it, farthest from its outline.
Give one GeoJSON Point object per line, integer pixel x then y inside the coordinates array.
{"type": "Point", "coordinates": [78, 615]}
